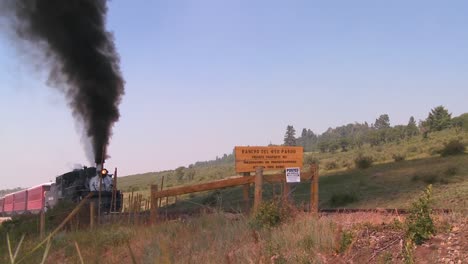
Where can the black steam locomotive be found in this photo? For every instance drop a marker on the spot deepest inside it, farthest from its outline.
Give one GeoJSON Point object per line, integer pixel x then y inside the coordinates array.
{"type": "Point", "coordinates": [72, 187]}
{"type": "Point", "coordinates": [77, 184]}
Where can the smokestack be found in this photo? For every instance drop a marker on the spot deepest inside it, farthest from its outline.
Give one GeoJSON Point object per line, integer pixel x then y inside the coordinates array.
{"type": "Point", "coordinates": [83, 61]}
{"type": "Point", "coordinates": [99, 167]}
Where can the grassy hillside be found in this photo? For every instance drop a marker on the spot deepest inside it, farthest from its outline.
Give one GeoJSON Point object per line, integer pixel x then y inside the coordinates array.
{"type": "Point", "coordinates": [388, 183]}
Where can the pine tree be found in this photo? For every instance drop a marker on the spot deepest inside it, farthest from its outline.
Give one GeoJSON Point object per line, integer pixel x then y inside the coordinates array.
{"type": "Point", "coordinates": [382, 122]}
{"type": "Point", "coordinates": [439, 119]}
{"type": "Point", "coordinates": [412, 128]}
{"type": "Point", "coordinates": [290, 136]}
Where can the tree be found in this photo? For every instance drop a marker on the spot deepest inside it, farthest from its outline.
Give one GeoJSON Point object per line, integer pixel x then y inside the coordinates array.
{"type": "Point", "coordinates": [323, 146]}
{"type": "Point", "coordinates": [344, 144]}
{"type": "Point", "coordinates": [190, 172]}
{"type": "Point", "coordinates": [412, 128]}
{"type": "Point", "coordinates": [460, 122]}
{"type": "Point", "coordinates": [438, 119]}
{"type": "Point", "coordinates": [290, 136]}
{"type": "Point", "coordinates": [304, 133]}
{"type": "Point", "coordinates": [179, 173]}
{"type": "Point", "coordinates": [382, 122]}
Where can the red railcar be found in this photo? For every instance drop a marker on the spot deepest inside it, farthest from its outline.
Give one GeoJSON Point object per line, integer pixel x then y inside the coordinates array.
{"type": "Point", "coordinates": [20, 201]}
{"type": "Point", "coordinates": [36, 197]}
{"type": "Point", "coordinates": [2, 201]}
{"type": "Point", "coordinates": [8, 203]}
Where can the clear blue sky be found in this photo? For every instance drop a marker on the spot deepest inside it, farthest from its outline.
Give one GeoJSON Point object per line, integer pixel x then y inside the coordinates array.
{"type": "Point", "coordinates": [204, 76]}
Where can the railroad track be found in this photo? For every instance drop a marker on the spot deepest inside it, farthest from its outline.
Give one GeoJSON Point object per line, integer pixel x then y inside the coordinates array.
{"type": "Point", "coordinates": [379, 210]}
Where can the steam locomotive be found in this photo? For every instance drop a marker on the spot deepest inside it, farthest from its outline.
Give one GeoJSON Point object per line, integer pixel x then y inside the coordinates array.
{"type": "Point", "coordinates": [71, 187]}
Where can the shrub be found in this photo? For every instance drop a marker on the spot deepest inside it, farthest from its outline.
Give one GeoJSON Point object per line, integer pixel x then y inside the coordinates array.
{"type": "Point", "coordinates": [363, 162]}
{"type": "Point", "coordinates": [341, 199]}
{"type": "Point", "coordinates": [429, 178]}
{"type": "Point", "coordinates": [331, 165]}
{"type": "Point", "coordinates": [420, 226]}
{"type": "Point", "coordinates": [451, 171]}
{"type": "Point", "coordinates": [269, 214]}
{"type": "Point", "coordinates": [398, 157]}
{"type": "Point", "coordinates": [347, 164]}
{"type": "Point", "coordinates": [310, 159]}
{"type": "Point", "coordinates": [454, 147]}
{"type": "Point", "coordinates": [413, 149]}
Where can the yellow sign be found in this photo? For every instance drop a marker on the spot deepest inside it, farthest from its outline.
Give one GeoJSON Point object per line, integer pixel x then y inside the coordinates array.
{"type": "Point", "coordinates": [270, 158]}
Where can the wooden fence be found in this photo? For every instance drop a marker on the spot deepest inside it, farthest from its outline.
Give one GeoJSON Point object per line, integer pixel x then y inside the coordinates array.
{"type": "Point", "coordinates": [137, 207]}
{"type": "Point", "coordinates": [246, 180]}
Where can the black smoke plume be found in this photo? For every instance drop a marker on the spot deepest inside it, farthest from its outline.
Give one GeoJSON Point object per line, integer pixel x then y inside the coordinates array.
{"type": "Point", "coordinates": [81, 55]}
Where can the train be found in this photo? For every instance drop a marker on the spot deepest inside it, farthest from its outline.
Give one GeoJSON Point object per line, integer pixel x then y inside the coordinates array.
{"type": "Point", "coordinates": [71, 187]}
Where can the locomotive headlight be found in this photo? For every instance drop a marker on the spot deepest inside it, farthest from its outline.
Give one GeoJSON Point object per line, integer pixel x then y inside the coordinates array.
{"type": "Point", "coordinates": [104, 172]}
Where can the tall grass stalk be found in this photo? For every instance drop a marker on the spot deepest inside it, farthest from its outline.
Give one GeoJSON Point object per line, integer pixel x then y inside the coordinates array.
{"type": "Point", "coordinates": [46, 252]}
{"type": "Point", "coordinates": [52, 234]}
{"type": "Point", "coordinates": [79, 252]}
{"type": "Point", "coordinates": [13, 257]}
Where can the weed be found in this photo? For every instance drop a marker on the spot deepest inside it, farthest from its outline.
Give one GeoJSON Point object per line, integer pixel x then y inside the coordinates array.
{"type": "Point", "coordinates": [408, 248]}
{"type": "Point", "coordinates": [345, 241]}
{"type": "Point", "coordinates": [387, 258]}
{"type": "Point", "coordinates": [397, 224]}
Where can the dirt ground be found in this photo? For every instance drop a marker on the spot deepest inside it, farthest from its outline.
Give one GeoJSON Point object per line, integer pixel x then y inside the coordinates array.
{"type": "Point", "coordinates": [378, 238]}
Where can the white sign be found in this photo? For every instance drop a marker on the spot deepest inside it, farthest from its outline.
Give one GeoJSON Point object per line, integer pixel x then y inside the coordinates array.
{"type": "Point", "coordinates": [293, 174]}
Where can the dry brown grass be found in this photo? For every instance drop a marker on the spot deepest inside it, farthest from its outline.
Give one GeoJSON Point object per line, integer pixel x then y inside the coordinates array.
{"type": "Point", "coordinates": [213, 238]}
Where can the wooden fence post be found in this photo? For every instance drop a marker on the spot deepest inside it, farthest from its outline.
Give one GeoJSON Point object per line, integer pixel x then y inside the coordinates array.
{"type": "Point", "coordinates": [286, 191]}
{"type": "Point", "coordinates": [258, 188]}
{"type": "Point", "coordinates": [314, 188]}
{"type": "Point", "coordinates": [91, 215]}
{"type": "Point", "coordinates": [42, 224]}
{"type": "Point", "coordinates": [246, 192]}
{"type": "Point", "coordinates": [162, 186]}
{"type": "Point", "coordinates": [153, 209]}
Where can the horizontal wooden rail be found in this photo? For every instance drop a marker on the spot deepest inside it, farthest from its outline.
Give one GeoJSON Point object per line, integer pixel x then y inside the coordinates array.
{"type": "Point", "coordinates": [205, 186]}
{"type": "Point", "coordinates": [230, 182]}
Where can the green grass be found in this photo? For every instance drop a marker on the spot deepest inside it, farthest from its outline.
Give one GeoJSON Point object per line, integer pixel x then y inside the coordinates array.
{"type": "Point", "coordinates": [386, 184]}
{"type": "Point", "coordinates": [389, 185]}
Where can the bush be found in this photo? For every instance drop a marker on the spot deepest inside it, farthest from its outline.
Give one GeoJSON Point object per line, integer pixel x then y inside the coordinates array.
{"type": "Point", "coordinates": [398, 157]}
{"type": "Point", "coordinates": [363, 162]}
{"type": "Point", "coordinates": [451, 171]}
{"type": "Point", "coordinates": [429, 178]}
{"type": "Point", "coordinates": [347, 164]}
{"type": "Point", "coordinates": [310, 159]}
{"type": "Point", "coordinates": [420, 226]}
{"type": "Point", "coordinates": [331, 165]}
{"type": "Point", "coordinates": [413, 149]}
{"type": "Point", "coordinates": [454, 147]}
{"type": "Point", "coordinates": [341, 199]}
{"type": "Point", "coordinates": [270, 214]}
